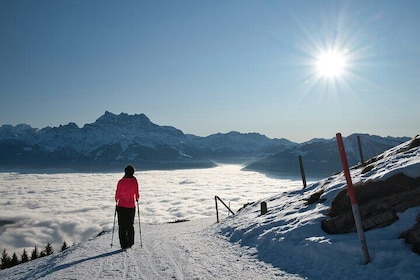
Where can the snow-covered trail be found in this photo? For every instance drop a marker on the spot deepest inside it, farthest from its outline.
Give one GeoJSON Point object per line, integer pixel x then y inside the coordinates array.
{"type": "Point", "coordinates": [188, 250]}
{"type": "Point", "coordinates": [192, 250]}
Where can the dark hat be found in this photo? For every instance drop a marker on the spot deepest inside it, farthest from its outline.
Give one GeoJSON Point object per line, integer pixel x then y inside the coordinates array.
{"type": "Point", "coordinates": [129, 171]}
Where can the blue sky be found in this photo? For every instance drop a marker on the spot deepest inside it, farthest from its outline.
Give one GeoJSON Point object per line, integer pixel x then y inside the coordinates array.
{"type": "Point", "coordinates": [213, 66]}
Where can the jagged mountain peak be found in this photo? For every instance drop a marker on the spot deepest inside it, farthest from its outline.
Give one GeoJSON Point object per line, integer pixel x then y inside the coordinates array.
{"type": "Point", "coordinates": [109, 118]}
{"type": "Point", "coordinates": [240, 134]}
{"type": "Point", "coordinates": [9, 131]}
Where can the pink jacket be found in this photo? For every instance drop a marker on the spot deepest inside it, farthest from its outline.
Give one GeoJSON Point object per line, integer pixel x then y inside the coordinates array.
{"type": "Point", "coordinates": [127, 192]}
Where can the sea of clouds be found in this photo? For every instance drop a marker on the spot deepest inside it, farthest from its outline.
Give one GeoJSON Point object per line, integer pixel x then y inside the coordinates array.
{"type": "Point", "coordinates": [37, 208]}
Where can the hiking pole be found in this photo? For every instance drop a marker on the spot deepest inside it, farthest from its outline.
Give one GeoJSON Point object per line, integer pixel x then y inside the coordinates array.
{"type": "Point", "coordinates": [138, 212]}
{"type": "Point", "coordinates": [115, 214]}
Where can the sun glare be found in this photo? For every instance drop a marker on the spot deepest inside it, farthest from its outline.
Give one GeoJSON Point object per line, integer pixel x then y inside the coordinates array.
{"type": "Point", "coordinates": [331, 64]}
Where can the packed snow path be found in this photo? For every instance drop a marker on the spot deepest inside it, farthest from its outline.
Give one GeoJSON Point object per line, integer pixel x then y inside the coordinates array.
{"type": "Point", "coordinates": [188, 250]}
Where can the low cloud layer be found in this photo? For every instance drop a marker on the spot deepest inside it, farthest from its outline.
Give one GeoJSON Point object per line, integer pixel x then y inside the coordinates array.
{"type": "Point", "coordinates": [41, 208]}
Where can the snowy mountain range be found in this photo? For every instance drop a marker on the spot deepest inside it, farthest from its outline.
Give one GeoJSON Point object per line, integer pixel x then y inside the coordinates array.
{"type": "Point", "coordinates": [115, 140]}
{"type": "Point", "coordinates": [320, 156]}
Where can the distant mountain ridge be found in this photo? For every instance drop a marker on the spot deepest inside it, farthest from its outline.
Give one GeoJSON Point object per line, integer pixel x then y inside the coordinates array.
{"type": "Point", "coordinates": [114, 140]}
{"type": "Point", "coordinates": [321, 157]}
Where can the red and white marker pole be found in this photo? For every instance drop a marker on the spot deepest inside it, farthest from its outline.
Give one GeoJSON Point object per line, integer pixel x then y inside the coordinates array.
{"type": "Point", "coordinates": [353, 201]}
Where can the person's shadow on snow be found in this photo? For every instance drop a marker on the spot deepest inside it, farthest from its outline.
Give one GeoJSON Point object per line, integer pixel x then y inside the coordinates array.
{"type": "Point", "coordinates": [67, 265]}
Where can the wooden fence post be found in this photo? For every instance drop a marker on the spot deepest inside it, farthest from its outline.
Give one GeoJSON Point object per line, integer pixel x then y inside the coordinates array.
{"type": "Point", "coordinates": [224, 204]}
{"type": "Point", "coordinates": [359, 143]}
{"type": "Point", "coordinates": [302, 172]}
{"type": "Point", "coordinates": [263, 208]}
{"type": "Point", "coordinates": [217, 211]}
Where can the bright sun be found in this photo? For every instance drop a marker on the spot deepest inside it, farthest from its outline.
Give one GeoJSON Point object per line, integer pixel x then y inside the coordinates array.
{"type": "Point", "coordinates": [331, 64]}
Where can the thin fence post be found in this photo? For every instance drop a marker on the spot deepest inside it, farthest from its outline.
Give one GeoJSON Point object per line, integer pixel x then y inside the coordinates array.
{"type": "Point", "coordinates": [224, 204]}
{"type": "Point", "coordinates": [302, 172]}
{"type": "Point", "coordinates": [263, 208]}
{"type": "Point", "coordinates": [359, 143]}
{"type": "Point", "coordinates": [217, 211]}
{"type": "Point", "coordinates": [352, 195]}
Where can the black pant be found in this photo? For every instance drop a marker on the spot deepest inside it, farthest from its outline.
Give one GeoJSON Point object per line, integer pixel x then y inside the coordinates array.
{"type": "Point", "coordinates": [126, 228]}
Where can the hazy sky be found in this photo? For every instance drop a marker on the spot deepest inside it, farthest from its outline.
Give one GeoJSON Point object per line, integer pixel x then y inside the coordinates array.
{"type": "Point", "coordinates": [214, 66]}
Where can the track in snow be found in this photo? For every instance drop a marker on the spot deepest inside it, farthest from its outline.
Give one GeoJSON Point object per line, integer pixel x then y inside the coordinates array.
{"type": "Point", "coordinates": [188, 250]}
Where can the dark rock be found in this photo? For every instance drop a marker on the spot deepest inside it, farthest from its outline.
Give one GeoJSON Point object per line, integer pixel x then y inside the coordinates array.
{"type": "Point", "coordinates": [416, 248]}
{"type": "Point", "coordinates": [380, 220]}
{"type": "Point", "coordinates": [338, 225]}
{"type": "Point", "coordinates": [378, 203]}
{"type": "Point", "coordinates": [179, 221]}
{"type": "Point", "coordinates": [101, 233]}
{"type": "Point", "coordinates": [315, 198]}
{"type": "Point", "coordinates": [412, 236]}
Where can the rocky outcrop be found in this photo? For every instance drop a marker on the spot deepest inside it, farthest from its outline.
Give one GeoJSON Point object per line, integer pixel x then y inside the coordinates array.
{"type": "Point", "coordinates": [378, 203]}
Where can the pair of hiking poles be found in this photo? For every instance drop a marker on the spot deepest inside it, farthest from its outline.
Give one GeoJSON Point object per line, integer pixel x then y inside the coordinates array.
{"type": "Point", "coordinates": [113, 228]}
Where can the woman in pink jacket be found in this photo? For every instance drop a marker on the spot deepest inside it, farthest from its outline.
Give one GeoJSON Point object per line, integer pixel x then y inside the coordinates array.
{"type": "Point", "coordinates": [126, 195]}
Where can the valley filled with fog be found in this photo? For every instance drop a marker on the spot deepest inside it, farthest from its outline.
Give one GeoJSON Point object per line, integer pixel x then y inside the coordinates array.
{"type": "Point", "coordinates": [38, 208]}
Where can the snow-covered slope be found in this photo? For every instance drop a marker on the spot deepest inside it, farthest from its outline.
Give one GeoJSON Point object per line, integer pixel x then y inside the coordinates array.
{"type": "Point", "coordinates": [290, 235]}
{"type": "Point", "coordinates": [286, 243]}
